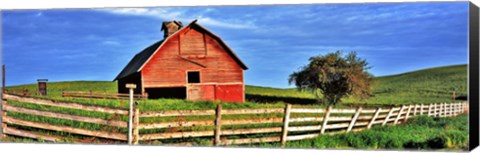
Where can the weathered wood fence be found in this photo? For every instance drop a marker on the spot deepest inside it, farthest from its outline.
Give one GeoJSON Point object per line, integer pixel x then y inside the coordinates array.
{"type": "Point", "coordinates": [100, 95]}
{"type": "Point", "coordinates": [223, 126]}
{"type": "Point", "coordinates": [7, 120]}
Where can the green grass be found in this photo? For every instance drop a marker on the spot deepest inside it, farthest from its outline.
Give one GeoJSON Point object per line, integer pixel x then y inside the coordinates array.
{"type": "Point", "coordinates": [424, 86]}
{"type": "Point", "coordinates": [423, 132]}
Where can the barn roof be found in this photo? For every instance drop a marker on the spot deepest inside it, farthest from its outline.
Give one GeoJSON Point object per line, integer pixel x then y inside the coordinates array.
{"type": "Point", "coordinates": [140, 59]}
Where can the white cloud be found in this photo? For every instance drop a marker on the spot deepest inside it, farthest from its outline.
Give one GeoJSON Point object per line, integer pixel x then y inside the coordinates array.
{"type": "Point", "coordinates": [175, 14]}
{"type": "Point", "coordinates": [111, 43]}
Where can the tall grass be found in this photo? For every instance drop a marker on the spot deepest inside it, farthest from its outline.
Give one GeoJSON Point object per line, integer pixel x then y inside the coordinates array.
{"type": "Point", "coordinates": [421, 132]}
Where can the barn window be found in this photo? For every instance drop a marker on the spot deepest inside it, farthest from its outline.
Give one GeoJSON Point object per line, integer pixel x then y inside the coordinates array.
{"type": "Point", "coordinates": [193, 77]}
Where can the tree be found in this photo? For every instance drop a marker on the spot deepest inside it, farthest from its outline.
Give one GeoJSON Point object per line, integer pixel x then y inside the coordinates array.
{"type": "Point", "coordinates": [334, 77]}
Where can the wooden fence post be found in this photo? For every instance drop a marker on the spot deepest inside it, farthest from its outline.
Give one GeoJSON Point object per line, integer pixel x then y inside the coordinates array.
{"type": "Point", "coordinates": [435, 110]}
{"type": "Point", "coordinates": [447, 110]}
{"type": "Point", "coordinates": [286, 118]}
{"type": "Point", "coordinates": [3, 125]}
{"type": "Point", "coordinates": [399, 114]}
{"type": "Point", "coordinates": [388, 116]}
{"type": "Point", "coordinates": [408, 113]}
{"type": "Point", "coordinates": [421, 109]}
{"type": "Point", "coordinates": [459, 108]}
{"type": "Point", "coordinates": [3, 114]}
{"type": "Point", "coordinates": [130, 112]}
{"type": "Point", "coordinates": [430, 109]}
{"type": "Point", "coordinates": [445, 113]}
{"type": "Point", "coordinates": [325, 119]}
{"type": "Point", "coordinates": [218, 124]}
{"type": "Point", "coordinates": [415, 110]}
{"type": "Point", "coordinates": [456, 109]}
{"type": "Point", "coordinates": [440, 106]}
{"type": "Point", "coordinates": [450, 110]}
{"type": "Point", "coordinates": [374, 117]}
{"type": "Point", "coordinates": [354, 119]}
{"type": "Point", "coordinates": [136, 120]}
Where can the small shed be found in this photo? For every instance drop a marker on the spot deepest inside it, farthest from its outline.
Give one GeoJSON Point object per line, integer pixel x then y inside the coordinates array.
{"type": "Point", "coordinates": [190, 63]}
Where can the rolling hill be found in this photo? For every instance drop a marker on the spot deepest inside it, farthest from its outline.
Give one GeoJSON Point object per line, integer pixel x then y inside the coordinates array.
{"type": "Point", "coordinates": [422, 86]}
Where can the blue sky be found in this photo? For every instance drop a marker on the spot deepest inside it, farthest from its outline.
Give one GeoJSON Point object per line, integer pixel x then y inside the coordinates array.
{"type": "Point", "coordinates": [273, 40]}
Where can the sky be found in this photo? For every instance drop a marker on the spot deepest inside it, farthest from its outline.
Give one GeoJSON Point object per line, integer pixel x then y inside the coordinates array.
{"type": "Point", "coordinates": [272, 40]}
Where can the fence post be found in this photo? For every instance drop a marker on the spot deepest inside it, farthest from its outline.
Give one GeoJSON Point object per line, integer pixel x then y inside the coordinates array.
{"type": "Point", "coordinates": [3, 114]}
{"type": "Point", "coordinates": [430, 109]}
{"type": "Point", "coordinates": [325, 119]}
{"type": "Point", "coordinates": [408, 113]}
{"type": "Point", "coordinates": [354, 119]}
{"type": "Point", "coordinates": [3, 125]}
{"type": "Point", "coordinates": [421, 109]}
{"type": "Point", "coordinates": [218, 124]}
{"type": "Point", "coordinates": [388, 116]}
{"type": "Point", "coordinates": [445, 109]}
{"type": "Point", "coordinates": [457, 109]}
{"type": "Point", "coordinates": [450, 110]}
{"type": "Point", "coordinates": [130, 112]}
{"type": "Point", "coordinates": [399, 114]}
{"type": "Point", "coordinates": [374, 117]}
{"type": "Point", "coordinates": [415, 110]}
{"type": "Point", "coordinates": [442, 109]}
{"type": "Point", "coordinates": [435, 110]}
{"type": "Point", "coordinates": [136, 117]}
{"type": "Point", "coordinates": [286, 118]}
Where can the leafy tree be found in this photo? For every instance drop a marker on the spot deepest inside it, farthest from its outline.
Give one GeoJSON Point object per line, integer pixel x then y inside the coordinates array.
{"type": "Point", "coordinates": [334, 76]}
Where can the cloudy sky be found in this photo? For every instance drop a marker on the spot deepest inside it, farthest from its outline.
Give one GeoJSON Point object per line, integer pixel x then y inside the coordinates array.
{"type": "Point", "coordinates": [273, 40]}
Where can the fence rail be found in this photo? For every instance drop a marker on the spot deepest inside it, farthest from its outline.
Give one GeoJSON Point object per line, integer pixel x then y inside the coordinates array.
{"type": "Point", "coordinates": [100, 95]}
{"type": "Point", "coordinates": [9, 120]}
{"type": "Point", "coordinates": [223, 126]}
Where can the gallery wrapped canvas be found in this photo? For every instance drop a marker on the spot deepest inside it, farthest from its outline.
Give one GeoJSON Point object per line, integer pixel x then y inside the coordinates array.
{"type": "Point", "coordinates": [369, 76]}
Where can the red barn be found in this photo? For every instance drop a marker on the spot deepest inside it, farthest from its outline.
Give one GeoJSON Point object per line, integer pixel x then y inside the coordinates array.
{"type": "Point", "coordinates": [190, 63]}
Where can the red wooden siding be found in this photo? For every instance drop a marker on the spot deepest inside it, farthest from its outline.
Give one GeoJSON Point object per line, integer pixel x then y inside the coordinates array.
{"type": "Point", "coordinates": [192, 49]}
{"type": "Point", "coordinates": [223, 92]}
{"type": "Point", "coordinates": [166, 68]}
{"type": "Point", "coordinates": [230, 93]}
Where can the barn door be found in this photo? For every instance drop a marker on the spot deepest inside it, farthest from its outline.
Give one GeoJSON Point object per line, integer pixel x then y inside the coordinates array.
{"type": "Point", "coordinates": [201, 92]}
{"type": "Point", "coordinates": [194, 93]}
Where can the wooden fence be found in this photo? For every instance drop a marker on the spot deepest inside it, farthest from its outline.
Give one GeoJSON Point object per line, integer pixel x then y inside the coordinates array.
{"type": "Point", "coordinates": [100, 95]}
{"type": "Point", "coordinates": [7, 120]}
{"type": "Point", "coordinates": [223, 126]}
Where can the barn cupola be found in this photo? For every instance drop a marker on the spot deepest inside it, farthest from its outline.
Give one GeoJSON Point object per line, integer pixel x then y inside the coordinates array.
{"type": "Point", "coordinates": [170, 27]}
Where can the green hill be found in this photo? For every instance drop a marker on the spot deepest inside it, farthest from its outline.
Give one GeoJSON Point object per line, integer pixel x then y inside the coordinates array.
{"type": "Point", "coordinates": [422, 86]}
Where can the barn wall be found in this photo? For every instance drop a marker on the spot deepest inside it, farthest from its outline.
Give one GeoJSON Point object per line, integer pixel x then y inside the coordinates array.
{"type": "Point", "coordinates": [212, 92]}
{"type": "Point", "coordinates": [193, 50]}
{"type": "Point", "coordinates": [230, 93]}
{"type": "Point", "coordinates": [169, 66]}
{"type": "Point", "coordinates": [134, 78]}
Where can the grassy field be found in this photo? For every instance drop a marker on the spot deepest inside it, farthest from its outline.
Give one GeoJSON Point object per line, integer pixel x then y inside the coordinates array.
{"type": "Point", "coordinates": [423, 86]}
{"type": "Point", "coordinates": [422, 132]}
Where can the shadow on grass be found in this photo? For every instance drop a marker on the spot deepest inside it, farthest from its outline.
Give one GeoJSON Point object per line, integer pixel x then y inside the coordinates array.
{"type": "Point", "coordinates": [461, 98]}
{"type": "Point", "coordinates": [303, 101]}
{"type": "Point", "coordinates": [274, 99]}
